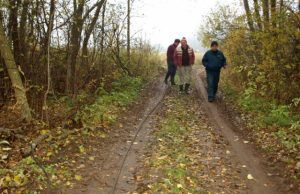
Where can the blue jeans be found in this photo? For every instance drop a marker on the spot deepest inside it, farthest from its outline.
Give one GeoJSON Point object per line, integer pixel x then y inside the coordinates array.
{"type": "Point", "coordinates": [213, 78]}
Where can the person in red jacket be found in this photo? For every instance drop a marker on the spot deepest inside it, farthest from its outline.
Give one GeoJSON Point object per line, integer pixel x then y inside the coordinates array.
{"type": "Point", "coordinates": [170, 60]}
{"type": "Point", "coordinates": [184, 58]}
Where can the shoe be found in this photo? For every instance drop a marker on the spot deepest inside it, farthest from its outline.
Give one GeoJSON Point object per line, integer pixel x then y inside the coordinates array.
{"type": "Point", "coordinates": [173, 82]}
{"type": "Point", "coordinates": [211, 100]}
{"type": "Point", "coordinates": [166, 81]}
{"type": "Point", "coordinates": [181, 89]}
{"type": "Point", "coordinates": [186, 89]}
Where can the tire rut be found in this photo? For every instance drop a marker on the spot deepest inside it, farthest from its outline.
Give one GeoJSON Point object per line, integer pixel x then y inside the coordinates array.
{"type": "Point", "coordinates": [262, 183]}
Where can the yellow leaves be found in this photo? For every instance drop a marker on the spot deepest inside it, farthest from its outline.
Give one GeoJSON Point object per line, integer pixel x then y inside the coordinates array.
{"type": "Point", "coordinates": [91, 158]}
{"type": "Point", "coordinates": [68, 183]}
{"type": "Point", "coordinates": [78, 177]}
{"type": "Point", "coordinates": [82, 149]}
{"type": "Point", "coordinates": [18, 179]}
{"type": "Point", "coordinates": [49, 153]}
{"type": "Point", "coordinates": [179, 186]}
{"type": "Point", "coordinates": [44, 132]}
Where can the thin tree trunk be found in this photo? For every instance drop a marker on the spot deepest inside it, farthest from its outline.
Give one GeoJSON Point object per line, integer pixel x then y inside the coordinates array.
{"type": "Point", "coordinates": [266, 13]}
{"type": "Point", "coordinates": [89, 32]}
{"type": "Point", "coordinates": [102, 40]}
{"type": "Point", "coordinates": [23, 31]}
{"type": "Point", "coordinates": [13, 27]}
{"type": "Point", "coordinates": [128, 30]}
{"type": "Point", "coordinates": [20, 92]}
{"type": "Point", "coordinates": [273, 13]}
{"type": "Point", "coordinates": [249, 15]}
{"type": "Point", "coordinates": [102, 29]}
{"type": "Point", "coordinates": [75, 40]}
{"type": "Point", "coordinates": [257, 14]}
{"type": "Point", "coordinates": [49, 32]}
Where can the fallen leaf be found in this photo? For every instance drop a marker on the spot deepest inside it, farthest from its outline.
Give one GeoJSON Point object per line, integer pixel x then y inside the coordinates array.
{"type": "Point", "coordinates": [179, 186]}
{"type": "Point", "coordinates": [78, 177]}
{"type": "Point", "coordinates": [91, 158]}
{"type": "Point", "coordinates": [250, 177]}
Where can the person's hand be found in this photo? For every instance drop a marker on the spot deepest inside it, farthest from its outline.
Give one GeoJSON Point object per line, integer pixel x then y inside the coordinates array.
{"type": "Point", "coordinates": [225, 66]}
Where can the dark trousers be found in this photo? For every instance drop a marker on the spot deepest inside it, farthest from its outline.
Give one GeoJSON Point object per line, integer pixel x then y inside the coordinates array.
{"type": "Point", "coordinates": [171, 71]}
{"type": "Point", "coordinates": [213, 78]}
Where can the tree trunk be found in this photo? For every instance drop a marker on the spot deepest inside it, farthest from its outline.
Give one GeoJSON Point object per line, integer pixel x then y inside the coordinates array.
{"type": "Point", "coordinates": [20, 92]}
{"type": "Point", "coordinates": [102, 29]}
{"type": "Point", "coordinates": [273, 13]}
{"type": "Point", "coordinates": [75, 39]}
{"type": "Point", "coordinates": [89, 32]}
{"type": "Point", "coordinates": [23, 31]}
{"type": "Point", "coordinates": [13, 29]}
{"type": "Point", "coordinates": [257, 14]}
{"type": "Point", "coordinates": [266, 13]}
{"type": "Point", "coordinates": [249, 15]}
{"type": "Point", "coordinates": [128, 31]}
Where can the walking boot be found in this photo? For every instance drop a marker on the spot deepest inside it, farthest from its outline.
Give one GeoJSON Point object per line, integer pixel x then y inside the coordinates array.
{"type": "Point", "coordinates": [181, 89]}
{"type": "Point", "coordinates": [166, 81]}
{"type": "Point", "coordinates": [186, 89]}
{"type": "Point", "coordinates": [173, 81]}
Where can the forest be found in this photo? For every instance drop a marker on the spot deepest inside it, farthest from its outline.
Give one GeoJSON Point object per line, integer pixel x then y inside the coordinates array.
{"type": "Point", "coordinates": [76, 82]}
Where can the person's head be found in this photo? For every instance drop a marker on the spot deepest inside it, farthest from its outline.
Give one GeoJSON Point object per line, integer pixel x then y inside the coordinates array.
{"type": "Point", "coordinates": [176, 42]}
{"type": "Point", "coordinates": [214, 45]}
{"type": "Point", "coordinates": [183, 42]}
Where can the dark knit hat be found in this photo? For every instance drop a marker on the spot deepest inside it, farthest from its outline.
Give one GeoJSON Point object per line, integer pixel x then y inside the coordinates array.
{"type": "Point", "coordinates": [214, 43]}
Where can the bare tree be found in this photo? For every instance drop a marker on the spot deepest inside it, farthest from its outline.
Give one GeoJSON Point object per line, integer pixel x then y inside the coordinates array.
{"type": "Point", "coordinates": [76, 29]}
{"type": "Point", "coordinates": [273, 13]}
{"type": "Point", "coordinates": [266, 13]}
{"type": "Point", "coordinates": [257, 14]}
{"type": "Point", "coordinates": [249, 15]}
{"type": "Point", "coordinates": [89, 31]}
{"type": "Point", "coordinates": [128, 30]}
{"type": "Point", "coordinates": [14, 75]}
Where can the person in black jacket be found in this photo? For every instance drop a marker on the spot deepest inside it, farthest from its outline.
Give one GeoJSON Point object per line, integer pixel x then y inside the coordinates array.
{"type": "Point", "coordinates": [213, 61]}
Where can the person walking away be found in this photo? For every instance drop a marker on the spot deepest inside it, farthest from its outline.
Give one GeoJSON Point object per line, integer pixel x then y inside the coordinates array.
{"type": "Point", "coordinates": [170, 61]}
{"type": "Point", "coordinates": [213, 61]}
{"type": "Point", "coordinates": [184, 58]}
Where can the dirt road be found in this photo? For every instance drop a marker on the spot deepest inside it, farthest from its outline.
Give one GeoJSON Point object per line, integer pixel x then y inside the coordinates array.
{"type": "Point", "coordinates": [120, 159]}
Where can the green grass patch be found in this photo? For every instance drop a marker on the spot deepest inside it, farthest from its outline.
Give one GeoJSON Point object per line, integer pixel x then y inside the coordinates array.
{"type": "Point", "coordinates": [265, 116]}
{"type": "Point", "coordinates": [172, 157]}
{"type": "Point", "coordinates": [104, 111]}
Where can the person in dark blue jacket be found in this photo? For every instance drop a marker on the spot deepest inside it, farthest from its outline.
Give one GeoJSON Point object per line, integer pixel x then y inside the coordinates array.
{"type": "Point", "coordinates": [213, 61]}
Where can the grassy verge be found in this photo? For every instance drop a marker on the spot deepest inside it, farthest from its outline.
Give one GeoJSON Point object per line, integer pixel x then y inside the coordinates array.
{"type": "Point", "coordinates": [54, 159]}
{"type": "Point", "coordinates": [276, 128]}
{"type": "Point", "coordinates": [172, 165]}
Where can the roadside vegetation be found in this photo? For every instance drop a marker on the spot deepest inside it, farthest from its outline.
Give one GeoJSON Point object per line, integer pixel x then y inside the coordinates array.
{"type": "Point", "coordinates": [263, 78]}
{"type": "Point", "coordinates": [186, 154]}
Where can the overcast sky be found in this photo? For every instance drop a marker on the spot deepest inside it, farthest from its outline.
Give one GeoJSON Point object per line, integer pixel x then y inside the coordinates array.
{"type": "Point", "coordinates": [161, 21]}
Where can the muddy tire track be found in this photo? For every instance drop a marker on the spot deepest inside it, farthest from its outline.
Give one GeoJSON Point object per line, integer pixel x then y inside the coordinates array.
{"type": "Point", "coordinates": [243, 153]}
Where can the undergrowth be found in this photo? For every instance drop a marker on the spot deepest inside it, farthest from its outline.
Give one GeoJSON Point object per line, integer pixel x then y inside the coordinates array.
{"type": "Point", "coordinates": [276, 121]}
{"type": "Point", "coordinates": [108, 104]}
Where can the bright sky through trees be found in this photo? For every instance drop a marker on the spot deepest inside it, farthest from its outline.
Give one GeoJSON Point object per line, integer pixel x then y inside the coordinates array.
{"type": "Point", "coordinates": [161, 21]}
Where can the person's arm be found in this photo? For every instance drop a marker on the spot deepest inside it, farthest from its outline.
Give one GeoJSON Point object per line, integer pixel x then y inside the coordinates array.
{"type": "Point", "coordinates": [224, 61]}
{"type": "Point", "coordinates": [193, 57]}
{"type": "Point", "coordinates": [175, 58]}
{"type": "Point", "coordinates": [205, 60]}
{"type": "Point", "coordinates": [169, 53]}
